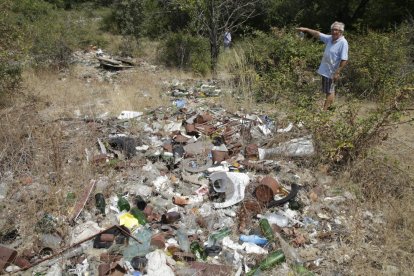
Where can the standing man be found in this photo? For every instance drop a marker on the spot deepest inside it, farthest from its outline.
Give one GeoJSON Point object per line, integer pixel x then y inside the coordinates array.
{"type": "Point", "coordinates": [334, 59]}
{"type": "Point", "coordinates": [227, 39]}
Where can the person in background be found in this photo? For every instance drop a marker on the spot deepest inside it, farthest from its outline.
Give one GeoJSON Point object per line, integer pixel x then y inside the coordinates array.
{"type": "Point", "coordinates": [334, 59]}
{"type": "Point", "coordinates": [227, 39]}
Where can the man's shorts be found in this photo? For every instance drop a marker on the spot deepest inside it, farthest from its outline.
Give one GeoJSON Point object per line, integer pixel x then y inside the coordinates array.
{"type": "Point", "coordinates": [327, 85]}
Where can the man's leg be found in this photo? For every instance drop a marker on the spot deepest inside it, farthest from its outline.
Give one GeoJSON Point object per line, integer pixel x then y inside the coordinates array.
{"type": "Point", "coordinates": [330, 97]}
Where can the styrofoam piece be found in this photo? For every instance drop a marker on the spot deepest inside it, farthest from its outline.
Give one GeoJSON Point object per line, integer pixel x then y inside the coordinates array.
{"type": "Point", "coordinates": [129, 114]}
{"type": "Point", "coordinates": [286, 129]}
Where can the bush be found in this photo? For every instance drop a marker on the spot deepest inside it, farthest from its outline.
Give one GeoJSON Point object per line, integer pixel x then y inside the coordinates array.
{"type": "Point", "coordinates": [186, 52]}
{"type": "Point", "coordinates": [379, 63]}
{"type": "Point", "coordinates": [11, 52]}
{"type": "Point", "coordinates": [128, 17]}
{"type": "Point", "coordinates": [282, 62]}
{"type": "Point", "coordinates": [57, 35]}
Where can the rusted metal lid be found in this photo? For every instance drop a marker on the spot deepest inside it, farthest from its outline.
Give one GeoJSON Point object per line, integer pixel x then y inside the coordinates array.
{"type": "Point", "coordinates": [267, 189]}
{"type": "Point", "coordinates": [219, 156]}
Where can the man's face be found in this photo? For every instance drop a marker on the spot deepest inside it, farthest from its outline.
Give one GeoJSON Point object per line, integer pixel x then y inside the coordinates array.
{"type": "Point", "coordinates": [336, 33]}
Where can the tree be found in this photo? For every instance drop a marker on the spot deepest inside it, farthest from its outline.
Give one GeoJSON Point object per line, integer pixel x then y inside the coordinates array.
{"type": "Point", "coordinates": [212, 17]}
{"type": "Point", "coordinates": [128, 15]}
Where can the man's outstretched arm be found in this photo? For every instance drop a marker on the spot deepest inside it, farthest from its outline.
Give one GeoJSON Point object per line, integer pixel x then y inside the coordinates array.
{"type": "Point", "coordinates": [313, 33]}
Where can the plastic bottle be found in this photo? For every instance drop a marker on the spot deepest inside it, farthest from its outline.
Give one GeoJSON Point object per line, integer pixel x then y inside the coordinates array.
{"type": "Point", "coordinates": [253, 239]}
{"type": "Point", "coordinates": [198, 251]}
{"type": "Point", "coordinates": [277, 219]}
{"type": "Point", "coordinates": [269, 262]}
{"type": "Point", "coordinates": [123, 204]}
{"type": "Point", "coordinates": [139, 215]}
{"type": "Point", "coordinates": [183, 241]}
{"type": "Point", "coordinates": [266, 229]}
{"type": "Point", "coordinates": [100, 203]}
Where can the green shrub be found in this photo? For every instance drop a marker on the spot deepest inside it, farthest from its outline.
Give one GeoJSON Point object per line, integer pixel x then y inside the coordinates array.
{"type": "Point", "coordinates": [128, 17]}
{"type": "Point", "coordinates": [12, 50]}
{"type": "Point", "coordinates": [58, 34]}
{"type": "Point", "coordinates": [282, 62]}
{"type": "Point", "coordinates": [379, 63]}
{"type": "Point", "coordinates": [186, 52]}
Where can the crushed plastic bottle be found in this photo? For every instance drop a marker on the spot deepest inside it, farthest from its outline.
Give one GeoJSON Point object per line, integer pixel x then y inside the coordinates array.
{"type": "Point", "coordinates": [253, 239]}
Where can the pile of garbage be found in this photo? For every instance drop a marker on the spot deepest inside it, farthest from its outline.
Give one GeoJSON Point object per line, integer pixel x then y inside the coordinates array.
{"type": "Point", "coordinates": [199, 192]}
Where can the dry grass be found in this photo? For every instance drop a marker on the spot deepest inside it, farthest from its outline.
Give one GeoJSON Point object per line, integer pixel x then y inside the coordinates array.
{"type": "Point", "coordinates": [44, 138]}
{"type": "Point", "coordinates": [383, 183]}
{"type": "Point", "coordinates": [240, 93]}
{"type": "Point", "coordinates": [71, 96]}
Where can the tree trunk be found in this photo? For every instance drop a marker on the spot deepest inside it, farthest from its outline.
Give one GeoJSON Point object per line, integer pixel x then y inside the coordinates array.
{"type": "Point", "coordinates": [214, 52]}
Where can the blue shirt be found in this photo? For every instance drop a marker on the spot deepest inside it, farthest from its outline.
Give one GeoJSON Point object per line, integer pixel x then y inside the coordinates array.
{"type": "Point", "coordinates": [227, 38]}
{"type": "Point", "coordinates": [333, 54]}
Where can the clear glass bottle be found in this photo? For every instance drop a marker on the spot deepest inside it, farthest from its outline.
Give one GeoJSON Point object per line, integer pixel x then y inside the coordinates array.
{"type": "Point", "coordinates": [277, 219]}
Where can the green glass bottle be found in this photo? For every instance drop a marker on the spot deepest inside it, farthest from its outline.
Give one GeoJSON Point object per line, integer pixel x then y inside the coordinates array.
{"type": "Point", "coordinates": [219, 235]}
{"type": "Point", "coordinates": [140, 202]}
{"type": "Point", "coordinates": [198, 251]}
{"type": "Point", "coordinates": [266, 229]}
{"type": "Point", "coordinates": [139, 215]}
{"type": "Point", "coordinates": [100, 203]}
{"type": "Point", "coordinates": [123, 204]}
{"type": "Point", "coordinates": [269, 262]}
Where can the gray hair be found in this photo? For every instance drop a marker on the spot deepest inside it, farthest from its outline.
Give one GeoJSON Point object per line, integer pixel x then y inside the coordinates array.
{"type": "Point", "coordinates": [339, 25]}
